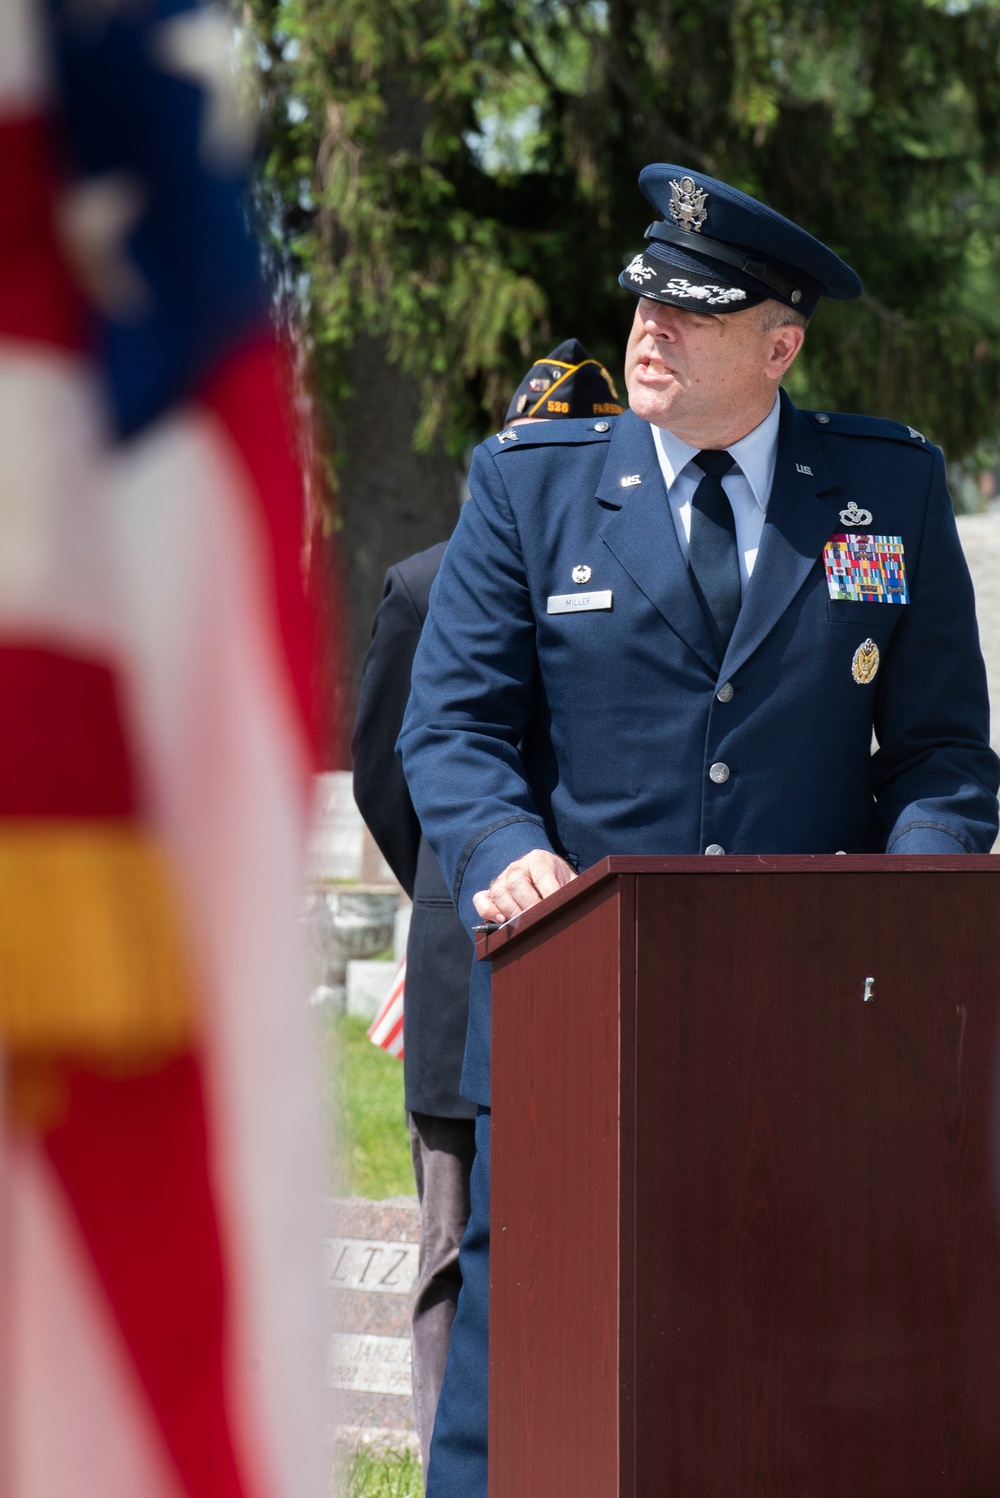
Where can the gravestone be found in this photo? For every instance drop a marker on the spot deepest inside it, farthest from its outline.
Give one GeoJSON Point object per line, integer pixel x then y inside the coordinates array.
{"type": "Point", "coordinates": [371, 1273]}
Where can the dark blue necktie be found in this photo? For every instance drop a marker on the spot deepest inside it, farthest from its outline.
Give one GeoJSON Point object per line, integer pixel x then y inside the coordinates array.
{"type": "Point", "coordinates": [713, 558]}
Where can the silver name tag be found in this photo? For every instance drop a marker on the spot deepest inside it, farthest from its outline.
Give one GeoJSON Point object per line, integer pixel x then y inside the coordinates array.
{"type": "Point", "coordinates": [576, 603]}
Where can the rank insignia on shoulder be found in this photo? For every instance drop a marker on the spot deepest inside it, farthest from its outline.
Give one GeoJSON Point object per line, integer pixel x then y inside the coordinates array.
{"type": "Point", "coordinates": [864, 666]}
{"type": "Point", "coordinates": [917, 436]}
{"type": "Point", "coordinates": [866, 569]}
{"type": "Point", "coordinates": [853, 516]}
{"type": "Point", "coordinates": [508, 436]}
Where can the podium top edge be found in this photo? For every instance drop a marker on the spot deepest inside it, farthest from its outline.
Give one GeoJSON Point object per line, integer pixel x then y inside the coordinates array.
{"type": "Point", "coordinates": [488, 943]}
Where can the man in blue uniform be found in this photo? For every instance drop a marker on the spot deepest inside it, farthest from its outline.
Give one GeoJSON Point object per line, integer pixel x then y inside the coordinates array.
{"type": "Point", "coordinates": [679, 631]}
{"type": "Point", "coordinates": [565, 384]}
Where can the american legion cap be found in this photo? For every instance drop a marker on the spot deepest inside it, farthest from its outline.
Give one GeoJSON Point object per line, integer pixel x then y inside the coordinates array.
{"type": "Point", "coordinates": [567, 382]}
{"type": "Point", "coordinates": [716, 247]}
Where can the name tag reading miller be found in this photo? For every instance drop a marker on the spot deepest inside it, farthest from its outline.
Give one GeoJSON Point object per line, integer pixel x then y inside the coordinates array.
{"type": "Point", "coordinates": [578, 603]}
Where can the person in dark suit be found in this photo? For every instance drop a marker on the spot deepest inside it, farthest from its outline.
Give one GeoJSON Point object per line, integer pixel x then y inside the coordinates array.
{"type": "Point", "coordinates": [677, 632]}
{"type": "Point", "coordinates": [568, 382]}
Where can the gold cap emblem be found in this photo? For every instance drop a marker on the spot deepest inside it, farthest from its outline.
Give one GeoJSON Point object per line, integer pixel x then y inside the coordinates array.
{"type": "Point", "coordinates": [864, 666]}
{"type": "Point", "coordinates": [687, 205]}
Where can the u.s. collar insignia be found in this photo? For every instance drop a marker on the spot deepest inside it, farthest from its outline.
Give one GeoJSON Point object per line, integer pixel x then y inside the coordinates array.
{"type": "Point", "coordinates": [865, 663]}
{"type": "Point", "coordinates": [853, 516]}
{"type": "Point", "coordinates": [687, 205]}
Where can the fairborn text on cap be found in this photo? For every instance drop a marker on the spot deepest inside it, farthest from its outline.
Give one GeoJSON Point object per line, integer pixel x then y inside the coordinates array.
{"type": "Point", "coordinates": [716, 248]}
{"type": "Point", "coordinates": [567, 382]}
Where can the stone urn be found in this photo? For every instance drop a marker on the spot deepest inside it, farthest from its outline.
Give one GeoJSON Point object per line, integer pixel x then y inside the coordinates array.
{"type": "Point", "coordinates": [345, 923]}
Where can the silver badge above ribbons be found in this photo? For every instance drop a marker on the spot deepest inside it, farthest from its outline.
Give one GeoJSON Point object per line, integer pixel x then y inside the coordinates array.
{"type": "Point", "coordinates": [853, 516]}
{"type": "Point", "coordinates": [687, 204]}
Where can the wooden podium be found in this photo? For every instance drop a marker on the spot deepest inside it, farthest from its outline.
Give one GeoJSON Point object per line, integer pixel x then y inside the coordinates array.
{"type": "Point", "coordinates": [746, 1202]}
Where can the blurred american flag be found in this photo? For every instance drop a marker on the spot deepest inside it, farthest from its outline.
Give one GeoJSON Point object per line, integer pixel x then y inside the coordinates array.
{"type": "Point", "coordinates": [160, 1156]}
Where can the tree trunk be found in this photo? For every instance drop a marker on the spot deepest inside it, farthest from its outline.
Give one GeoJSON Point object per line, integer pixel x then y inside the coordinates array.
{"type": "Point", "coordinates": [393, 501]}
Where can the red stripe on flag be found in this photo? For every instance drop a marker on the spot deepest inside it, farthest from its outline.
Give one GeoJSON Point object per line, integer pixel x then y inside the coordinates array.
{"type": "Point", "coordinates": [39, 300]}
{"type": "Point", "coordinates": [62, 748]}
{"type": "Point", "coordinates": [250, 392]}
{"type": "Point", "coordinates": [386, 1029]}
{"type": "Point", "coordinates": [132, 1155]}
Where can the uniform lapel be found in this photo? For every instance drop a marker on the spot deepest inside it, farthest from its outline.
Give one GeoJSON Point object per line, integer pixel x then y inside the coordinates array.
{"type": "Point", "coordinates": [639, 531]}
{"type": "Point", "coordinates": [801, 516]}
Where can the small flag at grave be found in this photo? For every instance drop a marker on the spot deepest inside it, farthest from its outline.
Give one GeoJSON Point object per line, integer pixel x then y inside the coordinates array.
{"type": "Point", "coordinates": [386, 1028]}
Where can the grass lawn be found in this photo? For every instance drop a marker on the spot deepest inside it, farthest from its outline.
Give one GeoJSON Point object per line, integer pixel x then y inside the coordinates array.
{"type": "Point", "coordinates": [371, 1141]}
{"type": "Point", "coordinates": [371, 1158]}
{"type": "Point", "coordinates": [386, 1475]}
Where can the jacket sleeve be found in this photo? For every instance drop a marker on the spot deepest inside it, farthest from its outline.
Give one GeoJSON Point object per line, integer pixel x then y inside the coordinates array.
{"type": "Point", "coordinates": [934, 775]}
{"type": "Point", "coordinates": [473, 687]}
{"type": "Point", "coordinates": [379, 783]}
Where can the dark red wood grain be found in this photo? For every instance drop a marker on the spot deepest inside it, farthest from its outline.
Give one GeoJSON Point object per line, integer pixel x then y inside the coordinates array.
{"type": "Point", "coordinates": [491, 942]}
{"type": "Point", "coordinates": [556, 1379]}
{"type": "Point", "coordinates": [762, 1209]}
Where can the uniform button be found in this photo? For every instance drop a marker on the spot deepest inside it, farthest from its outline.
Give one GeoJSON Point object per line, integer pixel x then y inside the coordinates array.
{"type": "Point", "coordinates": [715, 848]}
{"type": "Point", "coordinates": [602, 426]}
{"type": "Point", "coordinates": [822, 417]}
{"type": "Point", "coordinates": [719, 773]}
{"type": "Point", "coordinates": [725, 692]}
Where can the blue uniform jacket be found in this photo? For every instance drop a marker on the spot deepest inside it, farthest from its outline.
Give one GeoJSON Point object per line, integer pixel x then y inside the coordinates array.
{"type": "Point", "coordinates": [594, 732]}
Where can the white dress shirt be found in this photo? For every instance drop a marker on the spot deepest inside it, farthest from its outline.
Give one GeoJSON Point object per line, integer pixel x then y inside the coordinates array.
{"type": "Point", "coordinates": [748, 486]}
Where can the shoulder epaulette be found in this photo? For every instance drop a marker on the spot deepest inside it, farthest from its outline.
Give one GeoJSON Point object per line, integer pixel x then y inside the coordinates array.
{"type": "Point", "coordinates": [572, 430]}
{"type": "Point", "coordinates": [846, 424]}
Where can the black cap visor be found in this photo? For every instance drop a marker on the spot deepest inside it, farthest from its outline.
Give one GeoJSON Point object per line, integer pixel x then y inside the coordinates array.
{"type": "Point", "coordinates": [669, 275]}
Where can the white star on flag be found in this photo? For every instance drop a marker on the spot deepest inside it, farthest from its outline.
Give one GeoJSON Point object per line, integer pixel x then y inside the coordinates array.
{"type": "Point", "coordinates": [198, 45]}
{"type": "Point", "coordinates": [95, 218]}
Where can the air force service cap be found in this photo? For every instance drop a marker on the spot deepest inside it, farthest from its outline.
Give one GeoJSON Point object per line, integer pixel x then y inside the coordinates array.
{"type": "Point", "coordinates": [567, 382]}
{"type": "Point", "coordinates": [714, 247]}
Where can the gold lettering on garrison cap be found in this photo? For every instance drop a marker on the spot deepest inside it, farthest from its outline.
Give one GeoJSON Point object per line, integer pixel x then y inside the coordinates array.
{"type": "Point", "coordinates": [854, 516]}
{"type": "Point", "coordinates": [581, 574]}
{"type": "Point", "coordinates": [865, 663]}
{"type": "Point", "coordinates": [687, 204]}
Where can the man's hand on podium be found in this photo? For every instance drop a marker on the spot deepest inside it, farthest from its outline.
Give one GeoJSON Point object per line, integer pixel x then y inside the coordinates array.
{"type": "Point", "coordinates": [522, 884]}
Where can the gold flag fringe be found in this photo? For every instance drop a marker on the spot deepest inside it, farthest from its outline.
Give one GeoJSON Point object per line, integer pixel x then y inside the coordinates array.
{"type": "Point", "coordinates": [91, 956]}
